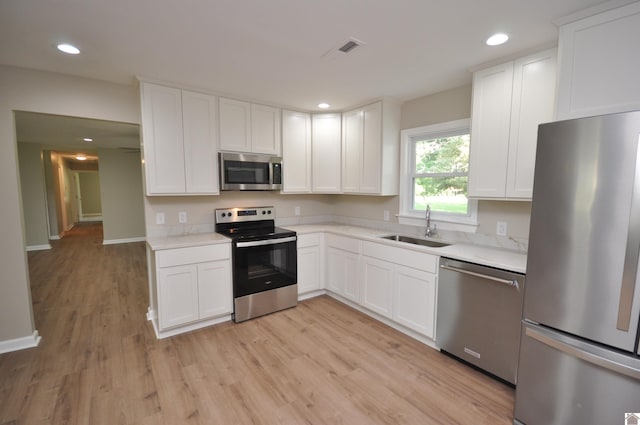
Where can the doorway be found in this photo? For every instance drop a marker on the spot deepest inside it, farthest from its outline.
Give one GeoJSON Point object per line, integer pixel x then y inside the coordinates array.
{"type": "Point", "coordinates": [62, 184]}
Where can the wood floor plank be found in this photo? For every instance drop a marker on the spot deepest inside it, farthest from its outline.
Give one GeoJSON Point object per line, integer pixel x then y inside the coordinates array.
{"type": "Point", "coordinates": [318, 363]}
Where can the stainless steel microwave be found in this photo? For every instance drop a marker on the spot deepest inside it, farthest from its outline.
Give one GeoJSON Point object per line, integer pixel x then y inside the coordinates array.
{"type": "Point", "coordinates": [247, 171]}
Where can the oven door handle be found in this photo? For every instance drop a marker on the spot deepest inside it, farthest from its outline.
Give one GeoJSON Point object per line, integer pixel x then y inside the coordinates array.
{"type": "Point", "coordinates": [265, 242]}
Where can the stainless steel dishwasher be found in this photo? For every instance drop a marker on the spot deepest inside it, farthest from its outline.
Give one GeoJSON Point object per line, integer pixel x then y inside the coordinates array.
{"type": "Point", "coordinates": [479, 313]}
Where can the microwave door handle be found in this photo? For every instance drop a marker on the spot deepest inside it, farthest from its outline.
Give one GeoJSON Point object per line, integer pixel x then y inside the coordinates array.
{"type": "Point", "coordinates": [265, 242]}
{"type": "Point", "coordinates": [628, 286]}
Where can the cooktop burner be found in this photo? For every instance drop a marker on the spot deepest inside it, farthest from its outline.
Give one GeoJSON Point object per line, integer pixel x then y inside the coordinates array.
{"type": "Point", "coordinates": [249, 223]}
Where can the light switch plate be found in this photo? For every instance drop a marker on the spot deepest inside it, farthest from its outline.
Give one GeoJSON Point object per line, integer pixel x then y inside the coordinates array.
{"type": "Point", "coordinates": [386, 215]}
{"type": "Point", "coordinates": [160, 218]}
{"type": "Point", "coordinates": [501, 228]}
{"type": "Point", "coordinates": [182, 217]}
{"type": "Point", "coordinates": [296, 211]}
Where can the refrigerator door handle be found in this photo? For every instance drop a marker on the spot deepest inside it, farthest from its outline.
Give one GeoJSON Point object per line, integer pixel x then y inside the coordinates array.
{"type": "Point", "coordinates": [632, 252]}
{"type": "Point", "coordinates": [565, 345]}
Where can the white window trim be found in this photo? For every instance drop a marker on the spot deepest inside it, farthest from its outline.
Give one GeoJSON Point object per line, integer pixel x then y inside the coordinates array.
{"type": "Point", "coordinates": [468, 223]}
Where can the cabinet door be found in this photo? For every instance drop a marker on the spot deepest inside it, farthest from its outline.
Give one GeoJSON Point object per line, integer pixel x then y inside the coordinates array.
{"type": "Point", "coordinates": [352, 134]}
{"type": "Point", "coordinates": [377, 286]}
{"type": "Point", "coordinates": [296, 152]}
{"type": "Point", "coordinates": [199, 113]}
{"type": "Point", "coordinates": [489, 148]}
{"type": "Point", "coordinates": [599, 62]}
{"type": "Point", "coordinates": [235, 125]}
{"type": "Point", "coordinates": [265, 129]}
{"type": "Point", "coordinates": [178, 295]}
{"type": "Point", "coordinates": [214, 289]}
{"type": "Point", "coordinates": [415, 300]}
{"type": "Point", "coordinates": [163, 145]}
{"type": "Point", "coordinates": [534, 80]}
{"type": "Point", "coordinates": [336, 271]}
{"type": "Point", "coordinates": [342, 270]}
{"type": "Point", "coordinates": [326, 148]}
{"type": "Point", "coordinates": [309, 269]}
{"type": "Point", "coordinates": [371, 149]}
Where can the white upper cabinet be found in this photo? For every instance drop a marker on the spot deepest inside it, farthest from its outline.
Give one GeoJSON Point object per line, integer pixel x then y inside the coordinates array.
{"type": "Point", "coordinates": [296, 152]}
{"type": "Point", "coordinates": [199, 117]}
{"type": "Point", "coordinates": [509, 102]}
{"type": "Point", "coordinates": [370, 149]}
{"type": "Point", "coordinates": [599, 62]}
{"type": "Point", "coordinates": [326, 153]}
{"type": "Point", "coordinates": [265, 129]}
{"type": "Point", "coordinates": [247, 127]}
{"type": "Point", "coordinates": [235, 125]}
{"type": "Point", "coordinates": [179, 141]}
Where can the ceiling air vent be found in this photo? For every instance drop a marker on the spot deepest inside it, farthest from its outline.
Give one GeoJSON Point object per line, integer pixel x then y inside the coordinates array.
{"type": "Point", "coordinates": [346, 47]}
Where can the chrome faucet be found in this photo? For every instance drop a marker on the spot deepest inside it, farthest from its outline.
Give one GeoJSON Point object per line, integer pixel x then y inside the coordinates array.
{"type": "Point", "coordinates": [430, 231]}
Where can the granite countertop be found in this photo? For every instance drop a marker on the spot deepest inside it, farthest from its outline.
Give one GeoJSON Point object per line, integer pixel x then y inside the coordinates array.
{"type": "Point", "coordinates": [515, 261]}
{"type": "Point", "coordinates": [490, 256]}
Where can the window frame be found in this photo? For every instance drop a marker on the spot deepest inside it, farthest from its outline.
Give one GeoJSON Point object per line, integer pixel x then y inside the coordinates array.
{"type": "Point", "coordinates": [407, 215]}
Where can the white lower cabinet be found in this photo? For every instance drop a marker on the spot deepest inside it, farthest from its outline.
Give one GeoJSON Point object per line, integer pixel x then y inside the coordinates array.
{"type": "Point", "coordinates": [193, 284]}
{"type": "Point", "coordinates": [178, 295]}
{"type": "Point", "coordinates": [343, 260]}
{"type": "Point", "coordinates": [310, 262]}
{"type": "Point", "coordinates": [377, 286]}
{"type": "Point", "coordinates": [414, 300]}
{"type": "Point", "coordinates": [400, 284]}
{"type": "Point", "coordinates": [393, 282]}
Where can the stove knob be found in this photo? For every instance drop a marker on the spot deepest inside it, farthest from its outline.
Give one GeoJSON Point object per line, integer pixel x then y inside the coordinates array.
{"type": "Point", "coordinates": [269, 212]}
{"type": "Point", "coordinates": [264, 212]}
{"type": "Point", "coordinates": [224, 215]}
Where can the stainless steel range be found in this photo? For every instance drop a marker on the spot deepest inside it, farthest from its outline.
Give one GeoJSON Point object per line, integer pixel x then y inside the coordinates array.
{"type": "Point", "coordinates": [264, 261]}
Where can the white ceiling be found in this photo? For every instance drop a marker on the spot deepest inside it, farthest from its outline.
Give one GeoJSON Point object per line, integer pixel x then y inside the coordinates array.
{"type": "Point", "coordinates": [64, 133]}
{"type": "Point", "coordinates": [275, 51]}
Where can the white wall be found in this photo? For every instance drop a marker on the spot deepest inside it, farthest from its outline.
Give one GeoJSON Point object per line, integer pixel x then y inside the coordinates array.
{"type": "Point", "coordinates": [90, 199]}
{"type": "Point", "coordinates": [34, 91]}
{"type": "Point", "coordinates": [122, 195]}
{"type": "Point", "coordinates": [200, 209]}
{"type": "Point", "coordinates": [33, 195]}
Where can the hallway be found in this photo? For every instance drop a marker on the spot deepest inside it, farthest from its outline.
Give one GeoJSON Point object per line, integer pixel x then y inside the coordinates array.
{"type": "Point", "coordinates": [89, 304]}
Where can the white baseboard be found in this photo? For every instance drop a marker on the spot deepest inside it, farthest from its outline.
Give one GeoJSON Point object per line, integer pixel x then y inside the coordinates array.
{"type": "Point", "coordinates": [38, 247]}
{"type": "Point", "coordinates": [152, 317]}
{"type": "Point", "coordinates": [20, 343]}
{"type": "Point", "coordinates": [89, 218]}
{"type": "Point", "coordinates": [127, 240]}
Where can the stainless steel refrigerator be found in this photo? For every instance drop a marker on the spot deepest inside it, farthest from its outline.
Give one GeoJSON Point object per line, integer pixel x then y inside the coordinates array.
{"type": "Point", "coordinates": [579, 358]}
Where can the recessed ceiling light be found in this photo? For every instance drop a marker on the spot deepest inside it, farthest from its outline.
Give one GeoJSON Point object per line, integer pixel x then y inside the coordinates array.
{"type": "Point", "coordinates": [497, 39]}
{"type": "Point", "coordinates": [323, 105]}
{"type": "Point", "coordinates": [88, 139]}
{"type": "Point", "coordinates": [68, 48]}
{"type": "Point", "coordinates": [81, 157]}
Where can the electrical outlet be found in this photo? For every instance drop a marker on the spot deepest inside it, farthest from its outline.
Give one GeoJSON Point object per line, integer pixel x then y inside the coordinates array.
{"type": "Point", "coordinates": [182, 217]}
{"type": "Point", "coordinates": [386, 215]}
{"type": "Point", "coordinates": [296, 211]}
{"type": "Point", "coordinates": [501, 228]}
{"type": "Point", "coordinates": [160, 218]}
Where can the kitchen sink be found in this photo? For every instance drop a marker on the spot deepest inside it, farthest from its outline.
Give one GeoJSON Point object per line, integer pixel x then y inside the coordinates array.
{"type": "Point", "coordinates": [415, 241]}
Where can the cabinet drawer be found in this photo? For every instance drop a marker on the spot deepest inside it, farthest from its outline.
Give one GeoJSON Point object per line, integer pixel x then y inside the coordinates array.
{"type": "Point", "coordinates": [405, 257]}
{"type": "Point", "coordinates": [344, 243]}
{"type": "Point", "coordinates": [192, 255]}
{"type": "Point", "coordinates": [313, 239]}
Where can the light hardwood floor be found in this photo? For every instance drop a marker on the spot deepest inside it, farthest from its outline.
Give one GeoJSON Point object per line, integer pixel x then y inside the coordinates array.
{"type": "Point", "coordinates": [319, 363]}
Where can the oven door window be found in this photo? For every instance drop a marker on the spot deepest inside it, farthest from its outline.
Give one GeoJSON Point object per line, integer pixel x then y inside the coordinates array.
{"type": "Point", "coordinates": [265, 267]}
{"type": "Point", "coordinates": [244, 172]}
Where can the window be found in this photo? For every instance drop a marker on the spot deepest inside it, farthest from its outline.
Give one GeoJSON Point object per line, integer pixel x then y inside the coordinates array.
{"type": "Point", "coordinates": [435, 168]}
